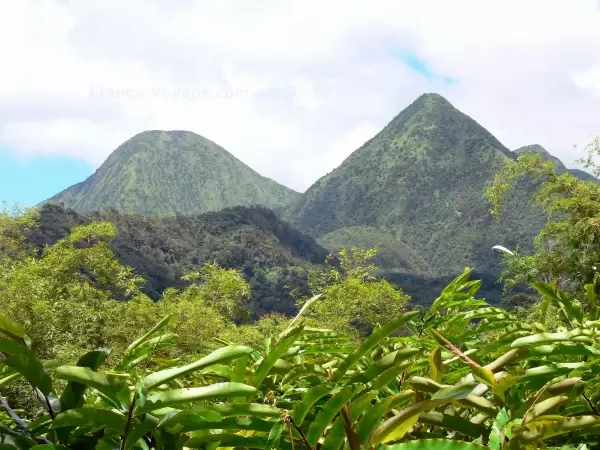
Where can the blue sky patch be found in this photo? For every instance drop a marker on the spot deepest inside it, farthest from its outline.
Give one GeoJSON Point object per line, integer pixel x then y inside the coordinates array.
{"type": "Point", "coordinates": [420, 66]}
{"type": "Point", "coordinates": [30, 180]}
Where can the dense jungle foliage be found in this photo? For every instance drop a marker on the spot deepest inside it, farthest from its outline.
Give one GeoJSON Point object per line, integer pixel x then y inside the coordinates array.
{"type": "Point", "coordinates": [87, 360]}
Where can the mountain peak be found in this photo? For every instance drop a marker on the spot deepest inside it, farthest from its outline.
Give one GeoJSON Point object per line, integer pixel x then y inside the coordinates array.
{"type": "Point", "coordinates": [166, 172]}
{"type": "Point", "coordinates": [417, 185]}
{"type": "Point", "coordinates": [558, 164]}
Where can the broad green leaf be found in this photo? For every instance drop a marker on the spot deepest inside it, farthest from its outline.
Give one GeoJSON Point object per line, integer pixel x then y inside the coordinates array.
{"type": "Point", "coordinates": [280, 348]}
{"type": "Point", "coordinates": [454, 392]}
{"type": "Point", "coordinates": [397, 426]}
{"type": "Point", "coordinates": [563, 386]}
{"type": "Point", "coordinates": [338, 433]}
{"type": "Point", "coordinates": [423, 384]}
{"type": "Point", "coordinates": [564, 349]}
{"type": "Point", "coordinates": [436, 444]}
{"type": "Point", "coordinates": [371, 342]}
{"type": "Point", "coordinates": [240, 409]}
{"type": "Point", "coordinates": [453, 423]}
{"type": "Point", "coordinates": [32, 369]}
{"type": "Point", "coordinates": [11, 329]}
{"type": "Point", "coordinates": [139, 430]}
{"type": "Point", "coordinates": [274, 435]}
{"type": "Point", "coordinates": [387, 361]}
{"type": "Point", "coordinates": [90, 417]}
{"type": "Point", "coordinates": [46, 447]}
{"type": "Point", "coordinates": [484, 375]}
{"type": "Point", "coordinates": [226, 440]}
{"type": "Point", "coordinates": [183, 396]}
{"type": "Point", "coordinates": [570, 309]}
{"type": "Point", "coordinates": [436, 366]}
{"type": "Point", "coordinates": [328, 412]}
{"type": "Point", "coordinates": [111, 386]}
{"type": "Point", "coordinates": [549, 371]}
{"type": "Point", "coordinates": [389, 375]}
{"type": "Point", "coordinates": [193, 422]}
{"type": "Point", "coordinates": [545, 406]}
{"type": "Point", "coordinates": [578, 334]}
{"type": "Point", "coordinates": [221, 355]}
{"type": "Point", "coordinates": [72, 396]}
{"type": "Point", "coordinates": [497, 433]}
{"type": "Point", "coordinates": [310, 398]}
{"type": "Point", "coordinates": [373, 415]}
{"type": "Point", "coordinates": [556, 428]}
{"type": "Point", "coordinates": [9, 346]}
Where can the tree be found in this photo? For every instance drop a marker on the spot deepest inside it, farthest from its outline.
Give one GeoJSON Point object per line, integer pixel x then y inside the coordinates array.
{"type": "Point", "coordinates": [62, 295]}
{"type": "Point", "coordinates": [352, 298]}
{"type": "Point", "coordinates": [568, 246]}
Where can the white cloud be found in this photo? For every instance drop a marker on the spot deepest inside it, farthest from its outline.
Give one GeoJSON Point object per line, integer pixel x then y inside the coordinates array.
{"type": "Point", "coordinates": [589, 79]}
{"type": "Point", "coordinates": [291, 87]}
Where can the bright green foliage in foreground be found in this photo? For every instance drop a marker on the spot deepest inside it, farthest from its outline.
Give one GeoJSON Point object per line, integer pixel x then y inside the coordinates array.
{"type": "Point", "coordinates": [465, 376]}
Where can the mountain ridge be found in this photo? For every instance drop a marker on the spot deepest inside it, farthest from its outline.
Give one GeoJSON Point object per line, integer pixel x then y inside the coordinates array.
{"type": "Point", "coordinates": [170, 172]}
{"type": "Point", "coordinates": [421, 181]}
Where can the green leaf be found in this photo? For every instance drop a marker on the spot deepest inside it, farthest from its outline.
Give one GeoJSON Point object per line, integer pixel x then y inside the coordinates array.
{"type": "Point", "coordinates": [269, 361]}
{"type": "Point", "coordinates": [72, 396]}
{"type": "Point", "coordinates": [453, 423]}
{"type": "Point", "coordinates": [497, 433]}
{"type": "Point", "coordinates": [436, 366]}
{"type": "Point", "coordinates": [373, 415]}
{"type": "Point", "coordinates": [90, 417]}
{"type": "Point", "coordinates": [458, 392]}
{"type": "Point", "coordinates": [570, 310]}
{"type": "Point", "coordinates": [183, 396]}
{"type": "Point", "coordinates": [9, 346]}
{"type": "Point", "coordinates": [226, 440]}
{"type": "Point", "coordinates": [564, 349]}
{"type": "Point", "coordinates": [110, 386]}
{"type": "Point", "coordinates": [306, 305]}
{"type": "Point", "coordinates": [274, 435]}
{"type": "Point", "coordinates": [578, 334]}
{"type": "Point", "coordinates": [310, 398]}
{"type": "Point", "coordinates": [387, 361]}
{"type": "Point", "coordinates": [159, 326]}
{"type": "Point", "coordinates": [11, 329]}
{"type": "Point", "coordinates": [397, 426]}
{"type": "Point", "coordinates": [545, 406]}
{"type": "Point", "coordinates": [239, 409]}
{"type": "Point", "coordinates": [436, 444]}
{"type": "Point", "coordinates": [483, 375]}
{"type": "Point", "coordinates": [556, 428]}
{"type": "Point", "coordinates": [328, 412]}
{"type": "Point", "coordinates": [32, 369]}
{"type": "Point", "coordinates": [371, 342]}
{"type": "Point", "coordinates": [139, 430]}
{"type": "Point", "coordinates": [47, 447]}
{"type": "Point", "coordinates": [221, 355]}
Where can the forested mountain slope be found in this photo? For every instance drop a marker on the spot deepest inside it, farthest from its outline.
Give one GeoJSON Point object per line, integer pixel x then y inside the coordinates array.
{"type": "Point", "coordinates": [168, 172]}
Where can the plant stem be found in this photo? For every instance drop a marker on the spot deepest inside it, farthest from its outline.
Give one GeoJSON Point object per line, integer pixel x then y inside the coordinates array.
{"type": "Point", "coordinates": [593, 408]}
{"type": "Point", "coordinates": [129, 420]}
{"type": "Point", "coordinates": [289, 420]}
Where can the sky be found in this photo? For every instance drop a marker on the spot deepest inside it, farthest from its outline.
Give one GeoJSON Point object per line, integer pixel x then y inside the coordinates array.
{"type": "Point", "coordinates": [290, 87]}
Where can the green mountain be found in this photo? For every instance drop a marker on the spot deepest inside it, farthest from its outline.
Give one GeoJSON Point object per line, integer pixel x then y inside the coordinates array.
{"type": "Point", "coordinates": [170, 172]}
{"type": "Point", "coordinates": [418, 187]}
{"type": "Point", "coordinates": [271, 254]}
{"type": "Point", "coordinates": [558, 164]}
